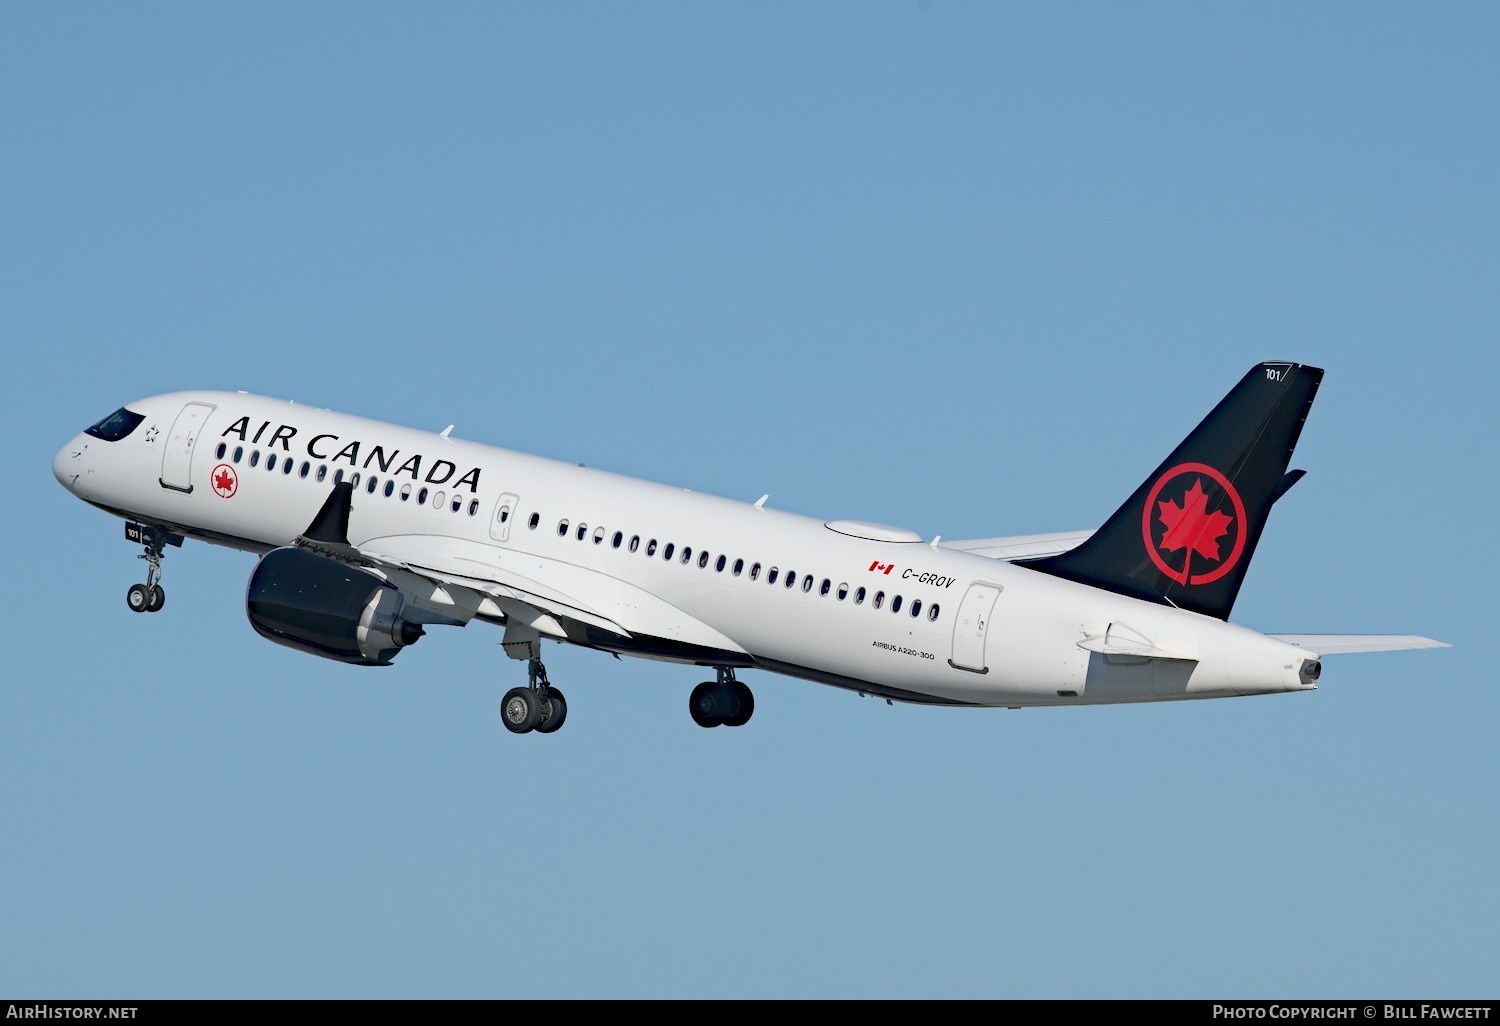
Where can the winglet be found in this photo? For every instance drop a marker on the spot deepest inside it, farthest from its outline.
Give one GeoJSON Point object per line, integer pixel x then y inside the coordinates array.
{"type": "Point", "coordinates": [331, 525]}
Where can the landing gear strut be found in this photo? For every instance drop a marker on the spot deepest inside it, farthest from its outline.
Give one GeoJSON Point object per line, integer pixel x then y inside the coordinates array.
{"type": "Point", "coordinates": [538, 706]}
{"type": "Point", "coordinates": [149, 597]}
{"type": "Point", "coordinates": [722, 701]}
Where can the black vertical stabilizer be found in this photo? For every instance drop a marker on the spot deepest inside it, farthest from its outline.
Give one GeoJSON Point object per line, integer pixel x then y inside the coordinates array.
{"type": "Point", "coordinates": [331, 525]}
{"type": "Point", "coordinates": [1187, 534]}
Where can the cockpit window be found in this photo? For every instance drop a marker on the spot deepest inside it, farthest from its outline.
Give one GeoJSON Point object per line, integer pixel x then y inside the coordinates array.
{"type": "Point", "coordinates": [117, 425]}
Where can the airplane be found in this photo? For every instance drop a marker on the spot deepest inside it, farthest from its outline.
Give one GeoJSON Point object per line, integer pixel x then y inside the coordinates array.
{"type": "Point", "coordinates": [367, 534]}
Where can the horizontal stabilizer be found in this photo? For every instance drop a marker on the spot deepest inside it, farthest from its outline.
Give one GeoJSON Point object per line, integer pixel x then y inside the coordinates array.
{"type": "Point", "coordinates": [1337, 644]}
{"type": "Point", "coordinates": [1020, 546]}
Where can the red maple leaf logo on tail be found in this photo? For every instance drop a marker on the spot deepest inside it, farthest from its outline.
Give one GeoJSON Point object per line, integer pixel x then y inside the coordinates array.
{"type": "Point", "coordinates": [1191, 526]}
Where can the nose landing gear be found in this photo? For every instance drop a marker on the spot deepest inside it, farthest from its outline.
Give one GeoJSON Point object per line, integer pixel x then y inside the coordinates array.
{"type": "Point", "coordinates": [149, 597]}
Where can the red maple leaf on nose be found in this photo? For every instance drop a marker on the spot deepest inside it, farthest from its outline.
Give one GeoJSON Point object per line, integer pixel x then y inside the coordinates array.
{"type": "Point", "coordinates": [1191, 526]}
{"type": "Point", "coordinates": [223, 482]}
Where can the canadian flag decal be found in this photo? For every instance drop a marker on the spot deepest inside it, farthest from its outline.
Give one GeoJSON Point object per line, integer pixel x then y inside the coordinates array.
{"type": "Point", "coordinates": [882, 568]}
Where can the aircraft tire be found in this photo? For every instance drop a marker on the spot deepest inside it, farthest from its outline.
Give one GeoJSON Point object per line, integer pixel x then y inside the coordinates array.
{"type": "Point", "coordinates": [556, 711]}
{"type": "Point", "coordinates": [520, 710]}
{"type": "Point", "coordinates": [138, 598]}
{"type": "Point", "coordinates": [706, 704]}
{"type": "Point", "coordinates": [155, 598]}
{"type": "Point", "coordinates": [742, 699]}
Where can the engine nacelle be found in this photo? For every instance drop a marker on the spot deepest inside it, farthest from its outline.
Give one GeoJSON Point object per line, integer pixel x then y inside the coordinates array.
{"type": "Point", "coordinates": [331, 609]}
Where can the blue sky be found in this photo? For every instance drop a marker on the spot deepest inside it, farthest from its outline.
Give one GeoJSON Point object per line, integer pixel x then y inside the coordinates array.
{"type": "Point", "coordinates": [968, 268]}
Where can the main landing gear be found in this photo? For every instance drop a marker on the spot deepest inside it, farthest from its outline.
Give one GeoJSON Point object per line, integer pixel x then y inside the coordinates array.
{"type": "Point", "coordinates": [724, 700]}
{"type": "Point", "coordinates": [149, 597]}
{"type": "Point", "coordinates": [538, 706]}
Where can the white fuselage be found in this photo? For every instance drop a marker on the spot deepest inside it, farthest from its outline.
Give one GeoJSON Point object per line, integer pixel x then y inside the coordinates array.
{"type": "Point", "coordinates": [857, 606]}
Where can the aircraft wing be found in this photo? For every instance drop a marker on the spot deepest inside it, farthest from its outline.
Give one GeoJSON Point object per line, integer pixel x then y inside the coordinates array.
{"type": "Point", "coordinates": [456, 575]}
{"type": "Point", "coordinates": [452, 580]}
{"type": "Point", "coordinates": [1020, 546]}
{"type": "Point", "coordinates": [1336, 644]}
{"type": "Point", "coordinates": [561, 591]}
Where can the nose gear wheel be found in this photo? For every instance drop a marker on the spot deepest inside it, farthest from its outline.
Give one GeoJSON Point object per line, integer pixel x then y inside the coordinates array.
{"type": "Point", "coordinates": [150, 597]}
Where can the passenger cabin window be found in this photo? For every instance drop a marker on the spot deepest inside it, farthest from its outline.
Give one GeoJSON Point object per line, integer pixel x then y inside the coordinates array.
{"type": "Point", "coordinates": [562, 528]}
{"type": "Point", "coordinates": [322, 471]}
{"type": "Point", "coordinates": [739, 564]}
{"type": "Point", "coordinates": [932, 613]}
{"type": "Point", "coordinates": [791, 578]}
{"type": "Point", "coordinates": [651, 547]}
{"type": "Point", "coordinates": [220, 451]}
{"type": "Point", "coordinates": [878, 600]}
{"type": "Point", "coordinates": [536, 518]}
{"type": "Point", "coordinates": [896, 604]}
{"type": "Point", "coordinates": [254, 457]}
{"type": "Point", "coordinates": [406, 493]}
{"type": "Point", "coordinates": [859, 596]}
{"type": "Point", "coordinates": [916, 607]}
{"type": "Point", "coordinates": [635, 542]}
{"type": "Point", "coordinates": [825, 587]}
{"type": "Point", "coordinates": [770, 575]}
{"type": "Point", "coordinates": [843, 591]}
{"type": "Point", "coordinates": [666, 553]}
{"type": "Point", "coordinates": [583, 529]}
{"type": "Point", "coordinates": [755, 571]}
{"type": "Point", "coordinates": [719, 565]}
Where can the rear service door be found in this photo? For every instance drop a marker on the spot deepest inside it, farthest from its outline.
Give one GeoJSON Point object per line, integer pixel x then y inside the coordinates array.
{"type": "Point", "coordinates": [970, 627]}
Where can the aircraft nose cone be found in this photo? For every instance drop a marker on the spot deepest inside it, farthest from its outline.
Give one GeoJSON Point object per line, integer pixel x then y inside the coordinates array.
{"type": "Point", "coordinates": [67, 465]}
